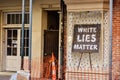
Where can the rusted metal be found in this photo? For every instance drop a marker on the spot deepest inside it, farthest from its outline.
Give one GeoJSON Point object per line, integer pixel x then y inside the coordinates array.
{"type": "Point", "coordinates": [73, 73]}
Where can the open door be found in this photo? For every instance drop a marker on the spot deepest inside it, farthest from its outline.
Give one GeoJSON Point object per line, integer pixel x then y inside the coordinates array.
{"type": "Point", "coordinates": [51, 42]}
{"type": "Point", "coordinates": [50, 46]}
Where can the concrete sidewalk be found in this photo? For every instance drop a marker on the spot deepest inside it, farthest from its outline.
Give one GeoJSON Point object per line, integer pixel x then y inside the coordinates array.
{"type": "Point", "coordinates": [5, 75]}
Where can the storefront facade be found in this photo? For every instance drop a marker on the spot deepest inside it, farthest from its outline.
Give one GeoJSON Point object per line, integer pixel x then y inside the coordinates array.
{"type": "Point", "coordinates": [45, 14]}
{"type": "Point", "coordinates": [47, 21]}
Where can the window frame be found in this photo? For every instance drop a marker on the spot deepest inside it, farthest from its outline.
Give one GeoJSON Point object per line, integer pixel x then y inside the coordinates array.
{"type": "Point", "coordinates": [6, 18]}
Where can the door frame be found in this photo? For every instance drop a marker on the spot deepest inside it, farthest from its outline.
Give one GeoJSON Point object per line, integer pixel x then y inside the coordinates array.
{"type": "Point", "coordinates": [18, 57]}
{"type": "Point", "coordinates": [3, 27]}
{"type": "Point", "coordinates": [44, 14]}
{"type": "Point", "coordinates": [18, 46]}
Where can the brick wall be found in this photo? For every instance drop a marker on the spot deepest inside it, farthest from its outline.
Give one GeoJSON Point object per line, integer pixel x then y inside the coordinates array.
{"type": "Point", "coordinates": [116, 35]}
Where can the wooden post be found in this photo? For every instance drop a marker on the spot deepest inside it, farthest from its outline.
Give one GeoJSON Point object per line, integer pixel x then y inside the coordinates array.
{"type": "Point", "coordinates": [80, 60]}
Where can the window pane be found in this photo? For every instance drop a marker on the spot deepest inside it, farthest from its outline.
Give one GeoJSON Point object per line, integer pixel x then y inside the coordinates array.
{"type": "Point", "coordinates": [13, 19]}
{"type": "Point", "coordinates": [8, 51]}
{"type": "Point", "coordinates": [28, 18]}
{"type": "Point", "coordinates": [26, 51]}
{"type": "Point", "coordinates": [17, 18]}
{"type": "Point", "coordinates": [8, 18]}
{"type": "Point", "coordinates": [27, 42]}
{"type": "Point", "coordinates": [25, 18]}
{"type": "Point", "coordinates": [9, 33]}
{"type": "Point", "coordinates": [15, 34]}
{"type": "Point", "coordinates": [24, 43]}
{"type": "Point", "coordinates": [9, 41]}
{"type": "Point", "coordinates": [27, 33]}
{"type": "Point", "coordinates": [14, 51]}
{"type": "Point", "coordinates": [20, 18]}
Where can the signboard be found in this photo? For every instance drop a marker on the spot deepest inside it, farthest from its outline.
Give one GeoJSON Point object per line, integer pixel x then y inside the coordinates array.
{"type": "Point", "coordinates": [86, 38]}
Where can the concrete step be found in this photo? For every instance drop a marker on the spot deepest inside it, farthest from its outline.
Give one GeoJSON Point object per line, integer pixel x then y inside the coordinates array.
{"type": "Point", "coordinates": [6, 73]}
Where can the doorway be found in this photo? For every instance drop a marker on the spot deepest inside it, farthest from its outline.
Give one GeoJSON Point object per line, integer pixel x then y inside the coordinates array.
{"type": "Point", "coordinates": [13, 39]}
{"type": "Point", "coordinates": [51, 42]}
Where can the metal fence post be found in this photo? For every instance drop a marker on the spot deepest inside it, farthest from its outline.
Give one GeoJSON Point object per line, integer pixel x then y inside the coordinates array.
{"type": "Point", "coordinates": [22, 41]}
{"type": "Point", "coordinates": [30, 36]}
{"type": "Point", "coordinates": [110, 55]}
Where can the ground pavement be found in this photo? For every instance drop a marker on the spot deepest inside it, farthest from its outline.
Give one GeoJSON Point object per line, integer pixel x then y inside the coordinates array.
{"type": "Point", "coordinates": [5, 75]}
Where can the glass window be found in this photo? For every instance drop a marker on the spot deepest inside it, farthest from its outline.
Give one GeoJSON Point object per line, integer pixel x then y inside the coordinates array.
{"type": "Point", "coordinates": [26, 41]}
{"type": "Point", "coordinates": [15, 34]}
{"type": "Point", "coordinates": [14, 51]}
{"type": "Point", "coordinates": [9, 33]}
{"type": "Point", "coordinates": [11, 42]}
{"type": "Point", "coordinates": [16, 18]}
{"type": "Point", "coordinates": [8, 19]}
{"type": "Point", "coordinates": [8, 51]}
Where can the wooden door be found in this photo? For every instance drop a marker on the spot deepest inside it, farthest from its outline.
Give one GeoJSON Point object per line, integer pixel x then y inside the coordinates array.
{"type": "Point", "coordinates": [50, 45]}
{"type": "Point", "coordinates": [51, 42]}
{"type": "Point", "coordinates": [13, 50]}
